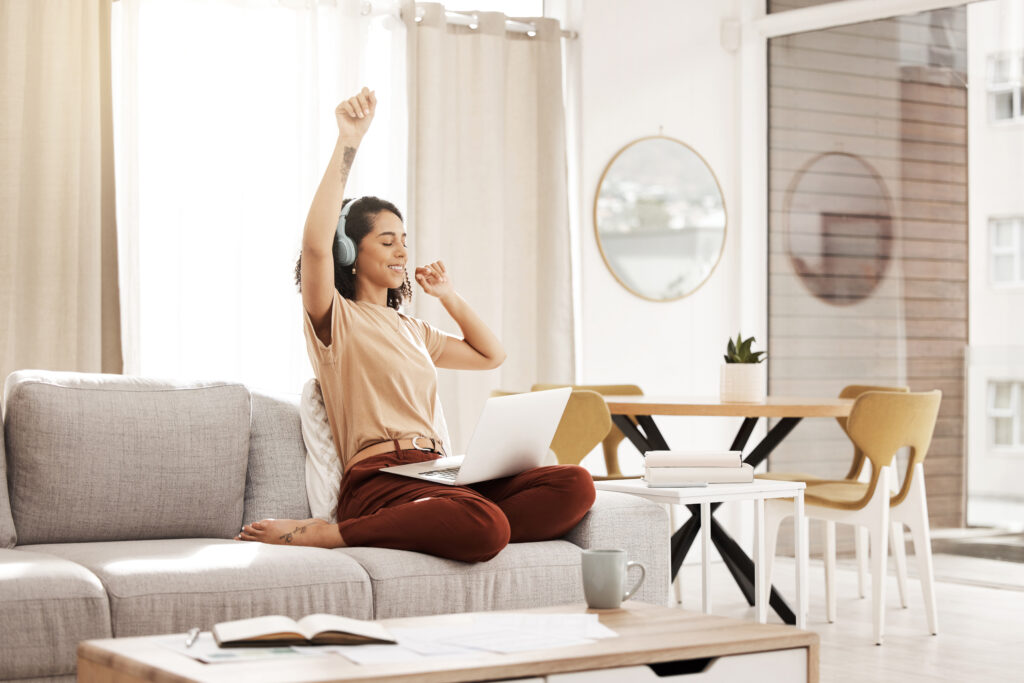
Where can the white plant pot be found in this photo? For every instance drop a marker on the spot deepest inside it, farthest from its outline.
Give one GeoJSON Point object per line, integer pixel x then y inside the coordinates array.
{"type": "Point", "coordinates": [743, 382]}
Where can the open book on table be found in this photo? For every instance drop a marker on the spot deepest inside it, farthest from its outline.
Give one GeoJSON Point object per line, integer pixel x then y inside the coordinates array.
{"type": "Point", "coordinates": [315, 629]}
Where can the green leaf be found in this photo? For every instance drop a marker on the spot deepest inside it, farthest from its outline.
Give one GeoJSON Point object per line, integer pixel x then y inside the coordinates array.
{"type": "Point", "coordinates": [728, 359]}
{"type": "Point", "coordinates": [731, 349]}
{"type": "Point", "coordinates": [745, 347]}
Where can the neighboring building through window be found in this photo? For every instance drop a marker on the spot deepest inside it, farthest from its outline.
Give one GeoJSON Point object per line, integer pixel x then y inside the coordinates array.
{"type": "Point", "coordinates": [1006, 247]}
{"type": "Point", "coordinates": [1006, 414]}
{"type": "Point", "coordinates": [1005, 75]}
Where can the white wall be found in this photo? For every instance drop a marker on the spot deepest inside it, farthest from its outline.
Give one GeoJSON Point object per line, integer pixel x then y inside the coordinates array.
{"type": "Point", "coordinates": [650, 66]}
{"type": "Point", "coordinates": [644, 67]}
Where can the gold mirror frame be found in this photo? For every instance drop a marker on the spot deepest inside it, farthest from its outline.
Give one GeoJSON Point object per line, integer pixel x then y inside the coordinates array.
{"type": "Point", "coordinates": [597, 232]}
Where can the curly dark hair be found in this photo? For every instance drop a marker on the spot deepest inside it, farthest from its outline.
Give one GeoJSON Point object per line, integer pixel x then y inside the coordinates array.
{"type": "Point", "coordinates": [358, 225]}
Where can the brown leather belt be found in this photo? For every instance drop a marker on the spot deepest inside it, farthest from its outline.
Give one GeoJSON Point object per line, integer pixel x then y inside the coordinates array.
{"type": "Point", "coordinates": [417, 443]}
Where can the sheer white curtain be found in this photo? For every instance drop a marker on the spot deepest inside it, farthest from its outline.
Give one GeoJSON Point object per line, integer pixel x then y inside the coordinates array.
{"type": "Point", "coordinates": [490, 197]}
{"type": "Point", "coordinates": [224, 123]}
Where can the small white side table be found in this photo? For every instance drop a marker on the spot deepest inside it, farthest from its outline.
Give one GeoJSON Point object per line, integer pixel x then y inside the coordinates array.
{"type": "Point", "coordinates": [757, 490]}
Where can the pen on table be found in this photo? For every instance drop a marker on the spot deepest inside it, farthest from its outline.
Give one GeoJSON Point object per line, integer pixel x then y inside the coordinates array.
{"type": "Point", "coordinates": [190, 637]}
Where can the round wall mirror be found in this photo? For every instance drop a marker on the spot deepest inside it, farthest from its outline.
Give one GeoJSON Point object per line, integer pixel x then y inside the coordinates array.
{"type": "Point", "coordinates": [660, 218]}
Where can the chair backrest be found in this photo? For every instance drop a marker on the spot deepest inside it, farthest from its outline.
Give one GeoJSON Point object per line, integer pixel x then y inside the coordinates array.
{"type": "Point", "coordinates": [853, 391]}
{"type": "Point", "coordinates": [882, 422]}
{"type": "Point", "coordinates": [610, 446]}
{"type": "Point", "coordinates": [585, 423]}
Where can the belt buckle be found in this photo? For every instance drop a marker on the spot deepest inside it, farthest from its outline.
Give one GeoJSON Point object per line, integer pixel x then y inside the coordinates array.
{"type": "Point", "coordinates": [431, 449]}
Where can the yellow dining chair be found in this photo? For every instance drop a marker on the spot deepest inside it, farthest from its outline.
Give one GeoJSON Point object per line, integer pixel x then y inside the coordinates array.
{"type": "Point", "coordinates": [857, 472]}
{"type": "Point", "coordinates": [585, 422]}
{"type": "Point", "coordinates": [879, 425]}
{"type": "Point", "coordinates": [610, 444]}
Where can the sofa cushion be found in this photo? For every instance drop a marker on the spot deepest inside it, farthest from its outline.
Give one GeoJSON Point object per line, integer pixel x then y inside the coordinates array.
{"type": "Point", "coordinates": [522, 575]}
{"type": "Point", "coordinates": [47, 605]}
{"type": "Point", "coordinates": [169, 586]}
{"type": "Point", "coordinates": [8, 536]}
{"type": "Point", "coordinates": [275, 484]}
{"type": "Point", "coordinates": [108, 457]}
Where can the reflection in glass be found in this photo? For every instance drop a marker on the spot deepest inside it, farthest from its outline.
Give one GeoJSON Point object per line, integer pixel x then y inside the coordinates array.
{"type": "Point", "coordinates": [660, 218]}
{"type": "Point", "coordinates": [839, 228]}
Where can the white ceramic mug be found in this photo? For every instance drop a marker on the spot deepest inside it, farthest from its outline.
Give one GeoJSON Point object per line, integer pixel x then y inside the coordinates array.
{"type": "Point", "coordinates": [604, 577]}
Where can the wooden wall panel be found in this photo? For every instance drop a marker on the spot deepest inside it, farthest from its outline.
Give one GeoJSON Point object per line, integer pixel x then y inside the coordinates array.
{"type": "Point", "coordinates": [858, 93]}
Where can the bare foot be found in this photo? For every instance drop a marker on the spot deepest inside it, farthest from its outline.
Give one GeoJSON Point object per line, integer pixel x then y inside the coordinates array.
{"type": "Point", "coordinates": [308, 532]}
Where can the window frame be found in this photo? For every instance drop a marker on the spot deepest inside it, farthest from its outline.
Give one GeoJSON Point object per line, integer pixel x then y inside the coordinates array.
{"type": "Point", "coordinates": [1014, 84]}
{"type": "Point", "coordinates": [1015, 250]}
{"type": "Point", "coordinates": [1013, 413]}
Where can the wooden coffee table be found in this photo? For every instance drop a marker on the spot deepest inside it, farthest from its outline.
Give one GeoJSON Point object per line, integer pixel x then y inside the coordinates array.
{"type": "Point", "coordinates": [648, 634]}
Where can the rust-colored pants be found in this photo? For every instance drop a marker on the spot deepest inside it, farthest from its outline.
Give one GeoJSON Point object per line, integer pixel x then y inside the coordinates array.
{"type": "Point", "coordinates": [468, 523]}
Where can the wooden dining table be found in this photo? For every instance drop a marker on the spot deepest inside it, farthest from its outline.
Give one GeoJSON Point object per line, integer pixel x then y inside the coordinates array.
{"type": "Point", "coordinates": [634, 415]}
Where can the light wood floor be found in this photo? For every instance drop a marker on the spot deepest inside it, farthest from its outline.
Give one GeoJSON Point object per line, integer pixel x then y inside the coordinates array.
{"type": "Point", "coordinates": [981, 621]}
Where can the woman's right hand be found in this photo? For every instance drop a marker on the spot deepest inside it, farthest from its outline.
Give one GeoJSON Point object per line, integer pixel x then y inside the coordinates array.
{"type": "Point", "coordinates": [355, 114]}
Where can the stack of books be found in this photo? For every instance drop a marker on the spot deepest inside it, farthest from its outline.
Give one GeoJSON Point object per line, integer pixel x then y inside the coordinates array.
{"type": "Point", "coordinates": [666, 469]}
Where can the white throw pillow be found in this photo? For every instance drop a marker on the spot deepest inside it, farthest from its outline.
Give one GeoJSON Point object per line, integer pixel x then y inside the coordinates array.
{"type": "Point", "coordinates": [323, 467]}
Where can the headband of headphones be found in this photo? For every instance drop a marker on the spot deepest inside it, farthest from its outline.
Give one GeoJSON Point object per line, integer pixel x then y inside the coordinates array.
{"type": "Point", "coordinates": [346, 247]}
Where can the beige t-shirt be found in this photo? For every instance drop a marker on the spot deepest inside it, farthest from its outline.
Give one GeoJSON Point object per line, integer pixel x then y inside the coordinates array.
{"type": "Point", "coordinates": [378, 376]}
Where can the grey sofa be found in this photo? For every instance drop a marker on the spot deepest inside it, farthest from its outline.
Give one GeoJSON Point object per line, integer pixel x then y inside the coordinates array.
{"type": "Point", "coordinates": [119, 497]}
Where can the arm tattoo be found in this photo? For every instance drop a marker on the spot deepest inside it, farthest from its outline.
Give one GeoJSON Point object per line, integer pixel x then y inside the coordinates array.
{"type": "Point", "coordinates": [288, 537]}
{"type": "Point", "coordinates": [346, 162]}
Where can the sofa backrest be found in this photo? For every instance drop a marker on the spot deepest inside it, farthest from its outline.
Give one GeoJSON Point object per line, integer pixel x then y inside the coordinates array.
{"type": "Point", "coordinates": [275, 485]}
{"type": "Point", "coordinates": [8, 535]}
{"type": "Point", "coordinates": [109, 457]}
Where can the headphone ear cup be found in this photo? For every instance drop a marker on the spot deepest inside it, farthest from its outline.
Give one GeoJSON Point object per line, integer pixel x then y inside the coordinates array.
{"type": "Point", "coordinates": [346, 247]}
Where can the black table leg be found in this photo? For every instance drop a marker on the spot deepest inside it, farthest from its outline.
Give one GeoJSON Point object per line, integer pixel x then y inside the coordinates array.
{"type": "Point", "coordinates": [729, 547]}
{"type": "Point", "coordinates": [629, 429]}
{"type": "Point", "coordinates": [682, 539]}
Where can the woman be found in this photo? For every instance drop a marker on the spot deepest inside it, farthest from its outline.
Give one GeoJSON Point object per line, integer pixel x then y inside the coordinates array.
{"type": "Point", "coordinates": [377, 372]}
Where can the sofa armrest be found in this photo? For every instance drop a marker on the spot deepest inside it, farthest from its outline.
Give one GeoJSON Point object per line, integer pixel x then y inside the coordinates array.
{"type": "Point", "coordinates": [640, 527]}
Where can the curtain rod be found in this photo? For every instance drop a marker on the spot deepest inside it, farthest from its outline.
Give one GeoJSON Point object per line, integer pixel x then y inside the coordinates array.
{"type": "Point", "coordinates": [471, 20]}
{"type": "Point", "coordinates": [457, 18]}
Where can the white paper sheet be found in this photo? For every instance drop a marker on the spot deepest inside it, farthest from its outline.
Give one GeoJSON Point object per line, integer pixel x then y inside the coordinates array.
{"type": "Point", "coordinates": [205, 650]}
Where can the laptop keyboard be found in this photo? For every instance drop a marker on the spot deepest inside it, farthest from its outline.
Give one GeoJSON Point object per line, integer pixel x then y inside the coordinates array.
{"type": "Point", "coordinates": [447, 474]}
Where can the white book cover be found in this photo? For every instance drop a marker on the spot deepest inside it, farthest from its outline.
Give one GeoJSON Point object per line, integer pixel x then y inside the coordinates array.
{"type": "Point", "coordinates": [667, 476]}
{"type": "Point", "coordinates": [693, 458]}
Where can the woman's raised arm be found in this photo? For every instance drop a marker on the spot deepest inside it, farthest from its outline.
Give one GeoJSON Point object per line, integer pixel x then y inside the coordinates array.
{"type": "Point", "coordinates": [317, 273]}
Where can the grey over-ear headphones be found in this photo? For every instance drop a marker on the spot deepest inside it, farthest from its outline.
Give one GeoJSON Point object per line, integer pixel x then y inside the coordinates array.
{"type": "Point", "coordinates": [346, 247]}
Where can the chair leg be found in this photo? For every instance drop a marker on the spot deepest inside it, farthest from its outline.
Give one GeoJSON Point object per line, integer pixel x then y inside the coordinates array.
{"type": "Point", "coordinates": [919, 530]}
{"type": "Point", "coordinates": [860, 538]}
{"type": "Point", "coordinates": [899, 554]}
{"type": "Point", "coordinates": [879, 534]}
{"type": "Point", "coordinates": [830, 571]}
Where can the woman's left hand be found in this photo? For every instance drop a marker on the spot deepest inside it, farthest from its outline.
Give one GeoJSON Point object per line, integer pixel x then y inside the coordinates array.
{"type": "Point", "coordinates": [434, 280]}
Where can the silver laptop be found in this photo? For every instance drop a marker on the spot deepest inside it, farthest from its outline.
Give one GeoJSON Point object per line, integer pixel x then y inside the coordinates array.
{"type": "Point", "coordinates": [512, 435]}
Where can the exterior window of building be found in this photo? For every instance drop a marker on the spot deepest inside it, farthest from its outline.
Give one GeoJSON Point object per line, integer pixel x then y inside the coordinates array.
{"type": "Point", "coordinates": [1004, 86]}
{"type": "Point", "coordinates": [1006, 246]}
{"type": "Point", "coordinates": [1006, 414]}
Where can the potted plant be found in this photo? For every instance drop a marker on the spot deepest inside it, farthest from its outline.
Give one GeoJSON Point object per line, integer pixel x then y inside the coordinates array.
{"type": "Point", "coordinates": [743, 378]}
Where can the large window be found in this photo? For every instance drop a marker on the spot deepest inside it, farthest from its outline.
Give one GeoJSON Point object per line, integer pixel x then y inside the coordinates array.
{"type": "Point", "coordinates": [1005, 74]}
{"type": "Point", "coordinates": [1006, 414]}
{"type": "Point", "coordinates": [1006, 246]}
